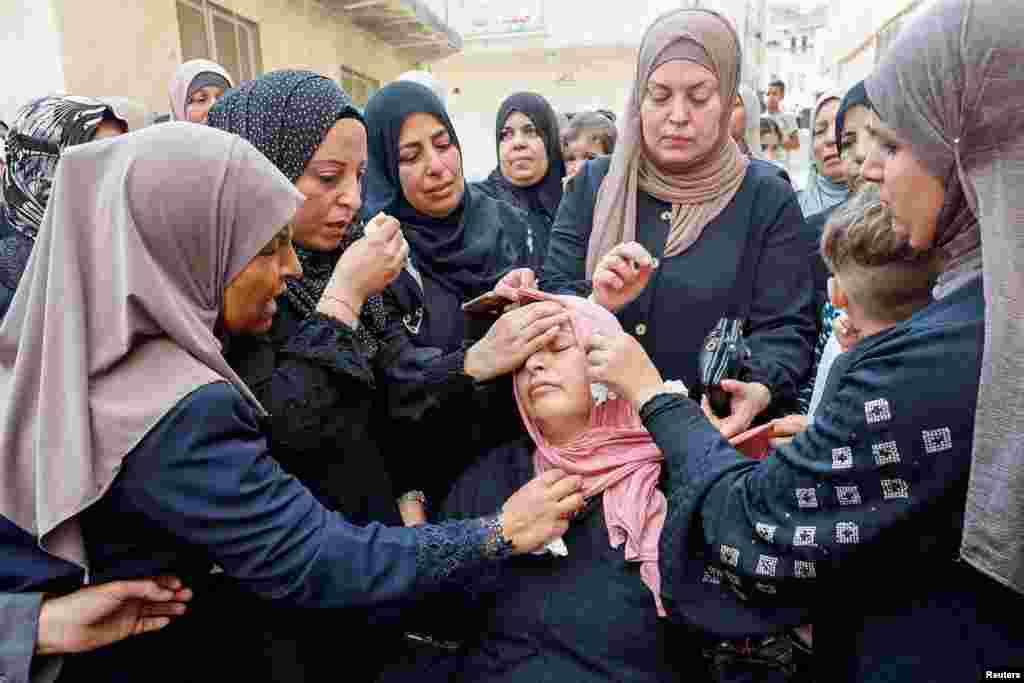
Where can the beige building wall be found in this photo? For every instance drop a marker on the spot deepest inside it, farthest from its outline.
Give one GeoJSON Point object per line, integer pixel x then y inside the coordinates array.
{"type": "Point", "coordinates": [117, 47]}
{"type": "Point", "coordinates": [572, 79]}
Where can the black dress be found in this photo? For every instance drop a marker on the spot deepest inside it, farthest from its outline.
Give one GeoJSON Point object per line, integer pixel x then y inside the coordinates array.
{"type": "Point", "coordinates": [318, 387]}
{"type": "Point", "coordinates": [750, 262]}
{"type": "Point", "coordinates": [586, 618]}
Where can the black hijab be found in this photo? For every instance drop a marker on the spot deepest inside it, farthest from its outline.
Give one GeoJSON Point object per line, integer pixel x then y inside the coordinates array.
{"type": "Point", "coordinates": [467, 251]}
{"type": "Point", "coordinates": [286, 115]}
{"type": "Point", "coordinates": [545, 196]}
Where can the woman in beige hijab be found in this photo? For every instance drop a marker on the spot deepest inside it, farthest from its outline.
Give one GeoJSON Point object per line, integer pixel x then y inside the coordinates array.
{"type": "Point", "coordinates": [130, 447]}
{"type": "Point", "coordinates": [726, 230]}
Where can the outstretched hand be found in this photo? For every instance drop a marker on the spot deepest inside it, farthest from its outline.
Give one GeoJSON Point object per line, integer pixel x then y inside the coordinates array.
{"type": "Point", "coordinates": [97, 616]}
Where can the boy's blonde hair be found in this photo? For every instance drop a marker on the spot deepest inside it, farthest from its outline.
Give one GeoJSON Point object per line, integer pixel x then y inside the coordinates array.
{"type": "Point", "coordinates": [876, 267]}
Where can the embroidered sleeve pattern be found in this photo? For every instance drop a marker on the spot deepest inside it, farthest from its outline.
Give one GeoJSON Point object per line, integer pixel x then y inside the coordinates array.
{"type": "Point", "coordinates": [871, 459]}
{"type": "Point", "coordinates": [453, 550]}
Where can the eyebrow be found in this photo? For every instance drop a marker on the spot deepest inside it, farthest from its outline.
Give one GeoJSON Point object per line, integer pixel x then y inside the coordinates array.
{"type": "Point", "coordinates": [692, 87]}
{"type": "Point", "coordinates": [416, 143]}
{"type": "Point", "coordinates": [882, 133]}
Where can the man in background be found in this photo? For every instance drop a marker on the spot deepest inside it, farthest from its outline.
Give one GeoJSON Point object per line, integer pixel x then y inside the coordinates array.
{"type": "Point", "coordinates": [786, 122]}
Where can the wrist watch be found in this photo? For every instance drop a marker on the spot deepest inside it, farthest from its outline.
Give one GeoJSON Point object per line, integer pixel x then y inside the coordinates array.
{"type": "Point", "coordinates": [413, 497]}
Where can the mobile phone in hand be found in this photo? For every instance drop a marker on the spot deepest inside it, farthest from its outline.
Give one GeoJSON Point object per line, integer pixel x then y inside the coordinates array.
{"type": "Point", "coordinates": [486, 304]}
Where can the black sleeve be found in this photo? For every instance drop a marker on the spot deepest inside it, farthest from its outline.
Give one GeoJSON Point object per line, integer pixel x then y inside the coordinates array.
{"type": "Point", "coordinates": [781, 319]}
{"type": "Point", "coordinates": [565, 266]}
{"type": "Point", "coordinates": [318, 374]}
{"type": "Point", "coordinates": [876, 469]}
{"type": "Point", "coordinates": [426, 385]}
{"type": "Point", "coordinates": [318, 388]}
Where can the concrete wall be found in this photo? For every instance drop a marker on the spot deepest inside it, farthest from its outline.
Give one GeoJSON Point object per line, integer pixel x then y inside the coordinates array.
{"type": "Point", "coordinates": [30, 53]}
{"type": "Point", "coordinates": [141, 59]}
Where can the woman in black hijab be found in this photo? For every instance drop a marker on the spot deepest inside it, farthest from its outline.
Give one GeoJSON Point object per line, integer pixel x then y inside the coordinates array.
{"type": "Point", "coordinates": [312, 370]}
{"type": "Point", "coordinates": [530, 165]}
{"type": "Point", "coordinates": [461, 242]}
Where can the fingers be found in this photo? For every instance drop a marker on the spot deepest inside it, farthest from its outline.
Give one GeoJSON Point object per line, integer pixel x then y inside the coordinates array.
{"type": "Point", "coordinates": [607, 279]}
{"type": "Point", "coordinates": [570, 506]}
{"type": "Point", "coordinates": [597, 342]}
{"type": "Point", "coordinates": [142, 589]}
{"type": "Point", "coordinates": [540, 341]}
{"type": "Point", "coordinates": [564, 487]}
{"type": "Point", "coordinates": [163, 609]}
{"type": "Point", "coordinates": [150, 624]}
{"type": "Point", "coordinates": [542, 325]}
{"type": "Point", "coordinates": [549, 477]}
{"type": "Point", "coordinates": [384, 228]}
{"type": "Point", "coordinates": [705, 405]}
{"type": "Point", "coordinates": [732, 386]}
{"type": "Point", "coordinates": [169, 582]}
{"type": "Point", "coordinates": [538, 310]}
{"type": "Point", "coordinates": [635, 253]}
{"type": "Point", "coordinates": [733, 425]}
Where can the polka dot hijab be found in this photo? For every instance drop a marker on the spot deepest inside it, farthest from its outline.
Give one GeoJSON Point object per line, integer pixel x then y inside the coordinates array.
{"type": "Point", "coordinates": [286, 115]}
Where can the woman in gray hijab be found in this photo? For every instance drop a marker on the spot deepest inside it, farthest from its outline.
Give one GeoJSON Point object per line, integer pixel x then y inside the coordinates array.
{"type": "Point", "coordinates": [826, 183]}
{"type": "Point", "coordinates": [956, 98]}
{"type": "Point", "coordinates": [129, 445]}
{"type": "Point", "coordinates": [860, 517]}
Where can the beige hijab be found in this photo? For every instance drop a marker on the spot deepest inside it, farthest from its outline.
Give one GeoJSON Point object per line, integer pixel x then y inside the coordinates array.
{"type": "Point", "coordinates": [702, 191]}
{"type": "Point", "coordinates": [113, 322]}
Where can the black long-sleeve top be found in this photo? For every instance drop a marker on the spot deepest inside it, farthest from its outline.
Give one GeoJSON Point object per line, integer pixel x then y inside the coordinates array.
{"type": "Point", "coordinates": [751, 261]}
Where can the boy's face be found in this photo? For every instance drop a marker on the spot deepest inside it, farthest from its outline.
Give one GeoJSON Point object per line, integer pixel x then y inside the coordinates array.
{"type": "Point", "coordinates": [586, 146]}
{"type": "Point", "coordinates": [770, 145]}
{"type": "Point", "coordinates": [775, 97]}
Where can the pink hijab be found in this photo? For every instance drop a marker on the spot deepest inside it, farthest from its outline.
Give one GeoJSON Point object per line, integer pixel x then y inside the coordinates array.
{"type": "Point", "coordinates": [616, 456]}
{"type": "Point", "coordinates": [182, 81]}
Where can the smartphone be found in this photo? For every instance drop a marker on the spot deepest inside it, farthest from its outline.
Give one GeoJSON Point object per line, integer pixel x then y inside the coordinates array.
{"type": "Point", "coordinates": [486, 304]}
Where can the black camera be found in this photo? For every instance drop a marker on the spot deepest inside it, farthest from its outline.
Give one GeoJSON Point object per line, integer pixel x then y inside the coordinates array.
{"type": "Point", "coordinates": [724, 356]}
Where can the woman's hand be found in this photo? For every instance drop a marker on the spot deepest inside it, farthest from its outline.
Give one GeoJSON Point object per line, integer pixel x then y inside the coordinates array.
{"type": "Point", "coordinates": [540, 511]}
{"type": "Point", "coordinates": [747, 401]}
{"type": "Point", "coordinates": [368, 266]}
{"type": "Point", "coordinates": [620, 363]}
{"type": "Point", "coordinates": [513, 338]}
{"type": "Point", "coordinates": [514, 280]}
{"type": "Point", "coordinates": [785, 428]}
{"type": "Point", "coordinates": [101, 615]}
{"type": "Point", "coordinates": [846, 334]}
{"type": "Point", "coordinates": [621, 275]}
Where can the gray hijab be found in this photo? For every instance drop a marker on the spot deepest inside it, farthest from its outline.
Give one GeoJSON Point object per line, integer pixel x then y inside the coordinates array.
{"type": "Point", "coordinates": [113, 322]}
{"type": "Point", "coordinates": [953, 87]}
{"type": "Point", "coordinates": [821, 194]}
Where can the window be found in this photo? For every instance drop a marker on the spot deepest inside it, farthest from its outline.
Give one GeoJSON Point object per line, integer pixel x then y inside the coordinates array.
{"type": "Point", "coordinates": [212, 32]}
{"type": "Point", "coordinates": [360, 87]}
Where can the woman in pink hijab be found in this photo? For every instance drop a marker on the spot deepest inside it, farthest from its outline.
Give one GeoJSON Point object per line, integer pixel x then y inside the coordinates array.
{"type": "Point", "coordinates": [588, 609]}
{"type": "Point", "coordinates": [196, 87]}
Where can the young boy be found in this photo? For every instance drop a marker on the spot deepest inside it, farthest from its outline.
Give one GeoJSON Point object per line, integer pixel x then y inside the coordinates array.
{"type": "Point", "coordinates": [876, 279]}
{"type": "Point", "coordinates": [589, 135]}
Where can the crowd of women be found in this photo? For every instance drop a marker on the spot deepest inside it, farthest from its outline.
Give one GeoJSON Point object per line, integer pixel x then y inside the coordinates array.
{"type": "Point", "coordinates": [250, 429]}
